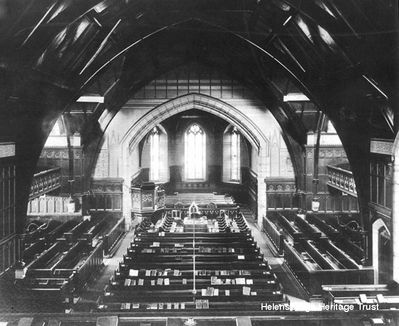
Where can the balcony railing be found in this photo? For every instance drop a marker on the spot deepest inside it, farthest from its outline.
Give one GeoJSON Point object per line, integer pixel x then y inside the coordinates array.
{"type": "Point", "coordinates": [341, 180]}
{"type": "Point", "coordinates": [44, 182]}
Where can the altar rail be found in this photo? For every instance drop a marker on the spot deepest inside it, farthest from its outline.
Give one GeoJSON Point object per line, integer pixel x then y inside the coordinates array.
{"type": "Point", "coordinates": [44, 182]}
{"type": "Point", "coordinates": [341, 180]}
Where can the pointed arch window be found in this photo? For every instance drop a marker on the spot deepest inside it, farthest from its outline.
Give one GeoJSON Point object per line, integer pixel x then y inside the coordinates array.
{"type": "Point", "coordinates": [154, 154]}
{"type": "Point", "coordinates": [195, 153]}
{"type": "Point", "coordinates": [235, 155]}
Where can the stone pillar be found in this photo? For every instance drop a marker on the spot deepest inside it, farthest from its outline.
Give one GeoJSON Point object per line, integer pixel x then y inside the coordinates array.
{"type": "Point", "coordinates": [127, 203]}
{"type": "Point", "coordinates": [125, 168]}
{"type": "Point", "coordinates": [395, 218]}
{"type": "Point", "coordinates": [262, 174]}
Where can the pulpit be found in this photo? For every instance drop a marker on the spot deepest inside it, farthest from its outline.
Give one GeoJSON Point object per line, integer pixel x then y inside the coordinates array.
{"type": "Point", "coordinates": [147, 198]}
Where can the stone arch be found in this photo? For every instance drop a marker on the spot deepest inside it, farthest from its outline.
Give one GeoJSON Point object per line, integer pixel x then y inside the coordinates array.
{"type": "Point", "coordinates": [200, 102]}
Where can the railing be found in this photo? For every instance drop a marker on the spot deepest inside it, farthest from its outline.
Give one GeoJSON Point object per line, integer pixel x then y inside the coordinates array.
{"type": "Point", "coordinates": [44, 182]}
{"type": "Point", "coordinates": [342, 180]}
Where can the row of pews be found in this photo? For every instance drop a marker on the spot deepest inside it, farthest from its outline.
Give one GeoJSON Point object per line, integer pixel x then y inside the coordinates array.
{"type": "Point", "coordinates": [363, 297]}
{"type": "Point", "coordinates": [60, 257]}
{"type": "Point", "coordinates": [314, 251]}
{"type": "Point", "coordinates": [191, 270]}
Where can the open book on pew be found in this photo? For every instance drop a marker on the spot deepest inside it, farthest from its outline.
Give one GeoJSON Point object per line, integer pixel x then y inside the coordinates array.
{"type": "Point", "coordinates": [133, 272]}
{"type": "Point", "coordinates": [152, 306]}
{"type": "Point", "coordinates": [125, 306]}
{"type": "Point", "coordinates": [202, 304]}
{"type": "Point", "coordinates": [240, 280]}
{"type": "Point", "coordinates": [244, 272]}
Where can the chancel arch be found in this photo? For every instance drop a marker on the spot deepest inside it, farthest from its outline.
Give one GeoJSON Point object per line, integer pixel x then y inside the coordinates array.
{"type": "Point", "coordinates": [244, 128]}
{"type": "Point", "coordinates": [195, 101]}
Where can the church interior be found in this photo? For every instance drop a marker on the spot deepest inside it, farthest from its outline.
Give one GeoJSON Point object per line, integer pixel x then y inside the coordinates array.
{"type": "Point", "coordinates": [204, 162]}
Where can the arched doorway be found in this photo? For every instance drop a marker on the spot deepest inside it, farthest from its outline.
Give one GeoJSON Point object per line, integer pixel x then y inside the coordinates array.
{"type": "Point", "coordinates": [382, 249]}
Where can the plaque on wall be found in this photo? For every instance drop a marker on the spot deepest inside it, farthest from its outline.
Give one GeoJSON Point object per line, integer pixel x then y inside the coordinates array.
{"type": "Point", "coordinates": [7, 149]}
{"type": "Point", "coordinates": [381, 146]}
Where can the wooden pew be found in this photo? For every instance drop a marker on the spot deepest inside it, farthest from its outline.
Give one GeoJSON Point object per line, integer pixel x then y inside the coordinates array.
{"type": "Point", "coordinates": [112, 238]}
{"type": "Point", "coordinates": [229, 269]}
{"type": "Point", "coordinates": [73, 234]}
{"type": "Point", "coordinates": [357, 295]}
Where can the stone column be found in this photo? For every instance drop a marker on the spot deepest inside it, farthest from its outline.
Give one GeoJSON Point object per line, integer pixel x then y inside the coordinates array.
{"type": "Point", "coordinates": [127, 203]}
{"type": "Point", "coordinates": [263, 168]}
{"type": "Point", "coordinates": [125, 166]}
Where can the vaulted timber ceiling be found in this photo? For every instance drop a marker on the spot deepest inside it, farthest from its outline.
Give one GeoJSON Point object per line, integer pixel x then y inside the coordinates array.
{"type": "Point", "coordinates": [342, 54]}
